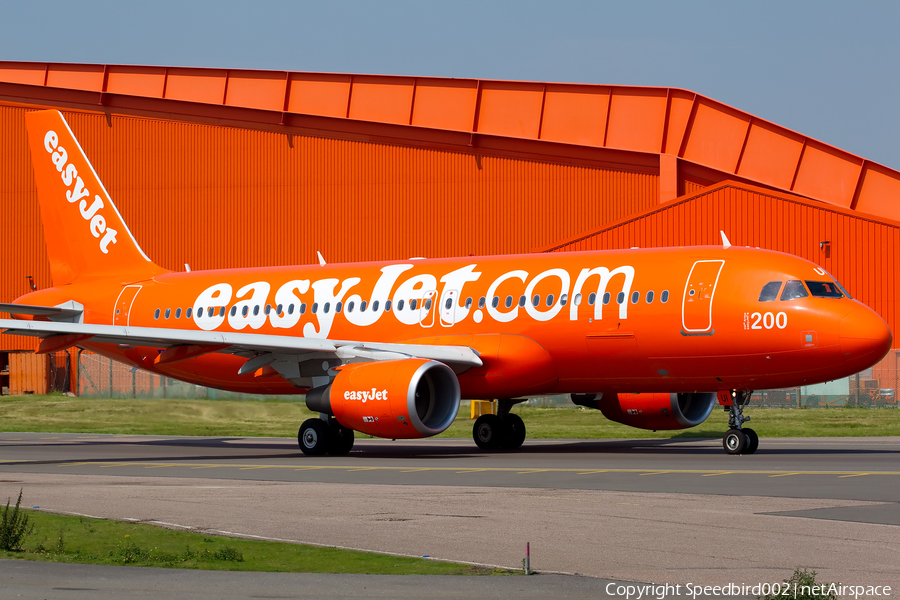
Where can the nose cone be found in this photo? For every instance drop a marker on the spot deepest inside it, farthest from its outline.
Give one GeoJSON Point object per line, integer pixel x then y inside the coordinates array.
{"type": "Point", "coordinates": [865, 337]}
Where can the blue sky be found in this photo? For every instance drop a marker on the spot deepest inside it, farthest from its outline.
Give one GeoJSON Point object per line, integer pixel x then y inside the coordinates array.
{"type": "Point", "coordinates": [826, 69]}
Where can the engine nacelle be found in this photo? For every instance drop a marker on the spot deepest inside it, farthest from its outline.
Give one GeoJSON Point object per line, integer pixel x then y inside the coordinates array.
{"type": "Point", "coordinates": [658, 410]}
{"type": "Point", "coordinates": [407, 398]}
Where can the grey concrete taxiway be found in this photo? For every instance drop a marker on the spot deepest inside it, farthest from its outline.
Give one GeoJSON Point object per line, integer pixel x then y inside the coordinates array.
{"type": "Point", "coordinates": [673, 511]}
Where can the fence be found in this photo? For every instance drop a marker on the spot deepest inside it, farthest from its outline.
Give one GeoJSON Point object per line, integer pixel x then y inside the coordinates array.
{"type": "Point", "coordinates": [100, 377]}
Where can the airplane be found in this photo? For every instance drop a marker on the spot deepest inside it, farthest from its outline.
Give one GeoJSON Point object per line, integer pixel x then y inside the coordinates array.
{"type": "Point", "coordinates": [655, 338]}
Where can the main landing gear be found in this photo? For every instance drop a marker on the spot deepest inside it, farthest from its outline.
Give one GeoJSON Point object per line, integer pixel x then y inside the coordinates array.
{"type": "Point", "coordinates": [320, 436]}
{"type": "Point", "coordinates": [739, 439]}
{"type": "Point", "coordinates": [504, 430]}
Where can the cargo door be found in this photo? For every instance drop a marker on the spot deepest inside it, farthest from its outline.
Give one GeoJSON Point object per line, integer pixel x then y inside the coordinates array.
{"type": "Point", "coordinates": [696, 305]}
{"type": "Point", "coordinates": [123, 304]}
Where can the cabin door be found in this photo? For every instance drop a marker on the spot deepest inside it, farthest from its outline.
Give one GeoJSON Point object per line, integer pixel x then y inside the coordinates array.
{"type": "Point", "coordinates": [696, 305]}
{"type": "Point", "coordinates": [123, 304]}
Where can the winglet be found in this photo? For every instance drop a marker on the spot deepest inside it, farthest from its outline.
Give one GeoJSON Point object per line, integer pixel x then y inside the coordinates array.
{"type": "Point", "coordinates": [321, 260]}
{"type": "Point", "coordinates": [725, 242]}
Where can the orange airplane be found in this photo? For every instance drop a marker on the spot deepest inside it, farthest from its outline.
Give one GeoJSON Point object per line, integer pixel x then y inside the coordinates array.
{"type": "Point", "coordinates": [654, 338]}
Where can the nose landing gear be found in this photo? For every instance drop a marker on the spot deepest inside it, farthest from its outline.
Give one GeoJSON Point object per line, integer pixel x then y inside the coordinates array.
{"type": "Point", "coordinates": [739, 439]}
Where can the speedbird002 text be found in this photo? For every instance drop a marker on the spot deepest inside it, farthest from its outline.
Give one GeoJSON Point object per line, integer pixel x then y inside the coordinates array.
{"type": "Point", "coordinates": [654, 338]}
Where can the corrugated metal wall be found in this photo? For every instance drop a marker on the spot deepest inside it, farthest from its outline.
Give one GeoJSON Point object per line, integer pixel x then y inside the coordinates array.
{"type": "Point", "coordinates": [217, 197]}
{"type": "Point", "coordinates": [864, 253]}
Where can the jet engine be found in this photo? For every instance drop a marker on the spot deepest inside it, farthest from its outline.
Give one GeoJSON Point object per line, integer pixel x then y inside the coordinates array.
{"type": "Point", "coordinates": [657, 410]}
{"type": "Point", "coordinates": [407, 398]}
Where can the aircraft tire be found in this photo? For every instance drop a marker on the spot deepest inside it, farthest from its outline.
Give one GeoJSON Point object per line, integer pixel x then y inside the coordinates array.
{"type": "Point", "coordinates": [340, 441]}
{"type": "Point", "coordinates": [514, 432]}
{"type": "Point", "coordinates": [313, 437]}
{"type": "Point", "coordinates": [752, 440]}
{"type": "Point", "coordinates": [734, 441]}
{"type": "Point", "coordinates": [488, 432]}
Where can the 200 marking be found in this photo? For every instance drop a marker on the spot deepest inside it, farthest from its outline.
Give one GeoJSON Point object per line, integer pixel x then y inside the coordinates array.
{"type": "Point", "coordinates": [769, 320]}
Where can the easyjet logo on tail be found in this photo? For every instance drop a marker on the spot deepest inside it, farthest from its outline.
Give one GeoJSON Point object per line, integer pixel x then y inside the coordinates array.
{"type": "Point", "coordinates": [80, 194]}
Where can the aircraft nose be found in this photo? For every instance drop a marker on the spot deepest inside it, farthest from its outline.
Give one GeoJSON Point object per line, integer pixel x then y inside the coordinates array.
{"type": "Point", "coordinates": [864, 336]}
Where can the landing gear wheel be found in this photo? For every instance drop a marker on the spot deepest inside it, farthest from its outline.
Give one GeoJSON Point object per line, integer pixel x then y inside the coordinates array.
{"type": "Point", "coordinates": [734, 442]}
{"type": "Point", "coordinates": [313, 437]}
{"type": "Point", "coordinates": [488, 432]}
{"type": "Point", "coordinates": [514, 432]}
{"type": "Point", "coordinates": [340, 439]}
{"type": "Point", "coordinates": [752, 440]}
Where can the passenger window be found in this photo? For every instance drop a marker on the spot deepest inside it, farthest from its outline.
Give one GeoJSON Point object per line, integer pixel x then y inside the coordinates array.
{"type": "Point", "coordinates": [168, 312]}
{"type": "Point", "coordinates": [536, 300]}
{"type": "Point", "coordinates": [350, 306]}
{"type": "Point", "coordinates": [606, 298]}
{"type": "Point", "coordinates": [770, 291]}
{"type": "Point", "coordinates": [428, 304]}
{"type": "Point", "coordinates": [362, 306]}
{"type": "Point", "coordinates": [508, 301]}
{"type": "Point", "coordinates": [256, 310]}
{"type": "Point", "coordinates": [469, 302]}
{"type": "Point", "coordinates": [413, 304]}
{"type": "Point", "coordinates": [495, 301]}
{"type": "Point", "coordinates": [400, 304]}
{"type": "Point", "coordinates": [245, 310]}
{"type": "Point", "coordinates": [221, 311]}
{"type": "Point", "coordinates": [592, 298]}
{"type": "Point", "coordinates": [387, 306]}
{"type": "Point", "coordinates": [268, 308]}
{"type": "Point", "coordinates": [338, 307]}
{"type": "Point", "coordinates": [177, 313]}
{"type": "Point", "coordinates": [824, 289]}
{"type": "Point", "coordinates": [620, 298]}
{"type": "Point", "coordinates": [156, 314]}
{"type": "Point", "coordinates": [577, 299]}
{"type": "Point", "coordinates": [315, 307]}
{"type": "Point", "coordinates": [635, 296]}
{"type": "Point", "coordinates": [563, 299]}
{"type": "Point", "coordinates": [290, 309]}
{"type": "Point", "coordinates": [650, 297]}
{"type": "Point", "coordinates": [278, 309]}
{"type": "Point", "coordinates": [375, 306]}
{"type": "Point", "coordinates": [794, 289]}
{"type": "Point", "coordinates": [233, 311]}
{"type": "Point", "coordinates": [326, 307]}
{"type": "Point", "coordinates": [448, 303]}
{"type": "Point", "coordinates": [188, 312]}
{"type": "Point", "coordinates": [481, 302]}
{"type": "Point", "coordinates": [550, 300]}
{"type": "Point", "coordinates": [522, 300]}
{"type": "Point", "coordinates": [664, 297]}
{"type": "Point", "coordinates": [209, 311]}
{"type": "Point", "coordinates": [303, 308]}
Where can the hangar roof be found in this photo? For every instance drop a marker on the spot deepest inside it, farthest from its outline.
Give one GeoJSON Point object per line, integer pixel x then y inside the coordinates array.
{"type": "Point", "coordinates": [662, 130]}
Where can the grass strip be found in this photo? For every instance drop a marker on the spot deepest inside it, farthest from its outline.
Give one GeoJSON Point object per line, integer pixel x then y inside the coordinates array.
{"type": "Point", "coordinates": [251, 418]}
{"type": "Point", "coordinates": [85, 540]}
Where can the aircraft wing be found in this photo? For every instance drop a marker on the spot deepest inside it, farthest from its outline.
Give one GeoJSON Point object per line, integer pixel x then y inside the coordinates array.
{"type": "Point", "coordinates": [261, 350]}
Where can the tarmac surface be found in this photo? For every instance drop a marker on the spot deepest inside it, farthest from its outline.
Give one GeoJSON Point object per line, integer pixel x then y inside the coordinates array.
{"type": "Point", "coordinates": [673, 511]}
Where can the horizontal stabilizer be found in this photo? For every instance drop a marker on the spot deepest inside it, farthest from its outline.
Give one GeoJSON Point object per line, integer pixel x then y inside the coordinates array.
{"type": "Point", "coordinates": [54, 312]}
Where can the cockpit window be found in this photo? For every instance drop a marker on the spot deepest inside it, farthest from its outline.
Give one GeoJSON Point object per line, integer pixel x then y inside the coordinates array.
{"type": "Point", "coordinates": [770, 291]}
{"type": "Point", "coordinates": [824, 289]}
{"type": "Point", "coordinates": [794, 289]}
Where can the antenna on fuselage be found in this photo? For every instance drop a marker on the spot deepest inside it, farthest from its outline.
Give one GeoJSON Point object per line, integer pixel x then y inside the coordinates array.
{"type": "Point", "coordinates": [321, 260]}
{"type": "Point", "coordinates": [725, 242]}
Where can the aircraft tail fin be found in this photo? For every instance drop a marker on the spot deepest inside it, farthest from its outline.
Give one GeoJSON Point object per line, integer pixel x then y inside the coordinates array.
{"type": "Point", "coordinates": [86, 236]}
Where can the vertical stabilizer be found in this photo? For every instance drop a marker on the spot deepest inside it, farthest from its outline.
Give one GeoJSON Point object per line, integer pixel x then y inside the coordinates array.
{"type": "Point", "coordinates": [86, 236]}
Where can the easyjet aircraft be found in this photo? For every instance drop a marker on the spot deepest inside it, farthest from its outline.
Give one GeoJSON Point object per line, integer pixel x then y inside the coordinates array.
{"type": "Point", "coordinates": [651, 337]}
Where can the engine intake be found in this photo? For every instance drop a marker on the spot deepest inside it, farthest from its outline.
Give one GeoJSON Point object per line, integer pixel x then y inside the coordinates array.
{"type": "Point", "coordinates": [407, 398]}
{"type": "Point", "coordinates": [658, 410]}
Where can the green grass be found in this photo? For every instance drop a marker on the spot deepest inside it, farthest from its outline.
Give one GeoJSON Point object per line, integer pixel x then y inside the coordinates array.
{"type": "Point", "coordinates": [64, 538]}
{"type": "Point", "coordinates": [61, 414]}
